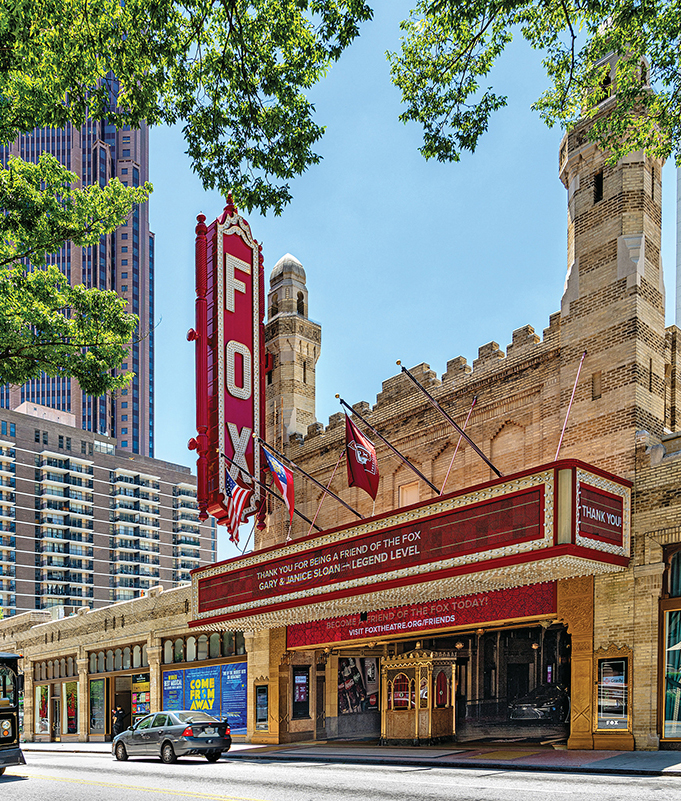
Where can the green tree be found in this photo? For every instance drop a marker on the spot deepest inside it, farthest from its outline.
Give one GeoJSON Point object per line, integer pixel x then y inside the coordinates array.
{"type": "Point", "coordinates": [450, 46]}
{"type": "Point", "coordinates": [233, 73]}
{"type": "Point", "coordinates": [45, 324]}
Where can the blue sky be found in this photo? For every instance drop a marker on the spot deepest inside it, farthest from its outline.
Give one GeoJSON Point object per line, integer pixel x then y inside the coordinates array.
{"type": "Point", "coordinates": [405, 259]}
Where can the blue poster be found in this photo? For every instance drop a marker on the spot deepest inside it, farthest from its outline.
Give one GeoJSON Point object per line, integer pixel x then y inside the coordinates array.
{"type": "Point", "coordinates": [173, 685]}
{"type": "Point", "coordinates": [202, 689]}
{"type": "Point", "coordinates": [234, 678]}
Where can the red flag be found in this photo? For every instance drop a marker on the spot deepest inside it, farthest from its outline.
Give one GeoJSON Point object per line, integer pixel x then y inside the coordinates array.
{"type": "Point", "coordinates": [362, 464]}
{"type": "Point", "coordinates": [236, 501]}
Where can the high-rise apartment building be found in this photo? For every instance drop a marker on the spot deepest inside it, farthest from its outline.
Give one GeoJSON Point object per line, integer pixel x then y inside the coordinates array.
{"type": "Point", "coordinates": [122, 261]}
{"type": "Point", "coordinates": [82, 524]}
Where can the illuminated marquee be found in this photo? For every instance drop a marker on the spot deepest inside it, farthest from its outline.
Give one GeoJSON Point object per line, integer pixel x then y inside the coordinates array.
{"type": "Point", "coordinates": [229, 358]}
{"type": "Point", "coordinates": [553, 522]}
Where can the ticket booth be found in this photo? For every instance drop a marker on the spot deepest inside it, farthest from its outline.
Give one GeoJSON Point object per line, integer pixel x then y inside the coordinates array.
{"type": "Point", "coordinates": [418, 696]}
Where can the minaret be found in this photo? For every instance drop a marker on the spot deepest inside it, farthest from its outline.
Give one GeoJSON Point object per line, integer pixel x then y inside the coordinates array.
{"type": "Point", "coordinates": [614, 301]}
{"type": "Point", "coordinates": [292, 342]}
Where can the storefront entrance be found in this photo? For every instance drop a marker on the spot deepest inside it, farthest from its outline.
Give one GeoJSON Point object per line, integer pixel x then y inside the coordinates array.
{"type": "Point", "coordinates": [55, 719]}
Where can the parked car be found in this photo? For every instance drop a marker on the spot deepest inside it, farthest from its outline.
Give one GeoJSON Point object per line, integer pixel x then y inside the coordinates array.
{"type": "Point", "coordinates": [549, 702]}
{"type": "Point", "coordinates": [170, 735]}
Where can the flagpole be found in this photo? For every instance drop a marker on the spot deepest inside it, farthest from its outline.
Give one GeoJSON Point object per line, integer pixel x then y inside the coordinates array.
{"type": "Point", "coordinates": [392, 447]}
{"type": "Point", "coordinates": [307, 475]}
{"type": "Point", "coordinates": [456, 450]}
{"type": "Point", "coordinates": [268, 489]}
{"type": "Point", "coordinates": [572, 397]}
{"type": "Point", "coordinates": [319, 508]}
{"type": "Point", "coordinates": [449, 418]}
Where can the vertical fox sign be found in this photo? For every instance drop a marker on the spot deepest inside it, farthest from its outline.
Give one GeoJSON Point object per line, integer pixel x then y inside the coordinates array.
{"type": "Point", "coordinates": [229, 360]}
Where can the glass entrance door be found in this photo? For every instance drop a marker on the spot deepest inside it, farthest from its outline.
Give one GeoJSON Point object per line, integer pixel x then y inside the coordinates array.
{"type": "Point", "coordinates": [55, 722]}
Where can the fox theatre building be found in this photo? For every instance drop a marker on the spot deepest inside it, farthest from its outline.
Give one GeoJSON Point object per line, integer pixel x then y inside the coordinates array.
{"type": "Point", "coordinates": [462, 617]}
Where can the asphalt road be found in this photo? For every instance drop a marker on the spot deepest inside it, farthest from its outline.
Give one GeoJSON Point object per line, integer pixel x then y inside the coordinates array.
{"type": "Point", "coordinates": [73, 777]}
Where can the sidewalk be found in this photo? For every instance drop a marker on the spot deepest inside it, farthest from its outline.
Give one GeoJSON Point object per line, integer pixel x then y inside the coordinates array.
{"type": "Point", "coordinates": [506, 756]}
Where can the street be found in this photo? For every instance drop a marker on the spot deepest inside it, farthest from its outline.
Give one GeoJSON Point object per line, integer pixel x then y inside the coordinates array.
{"type": "Point", "coordinates": [73, 777]}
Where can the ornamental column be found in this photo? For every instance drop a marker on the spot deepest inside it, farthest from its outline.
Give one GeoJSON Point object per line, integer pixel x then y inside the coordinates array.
{"type": "Point", "coordinates": [155, 677]}
{"type": "Point", "coordinates": [82, 664]}
{"type": "Point", "coordinates": [29, 700]}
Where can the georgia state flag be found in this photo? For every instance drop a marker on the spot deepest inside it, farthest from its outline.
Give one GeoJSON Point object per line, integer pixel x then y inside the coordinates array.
{"type": "Point", "coordinates": [283, 478]}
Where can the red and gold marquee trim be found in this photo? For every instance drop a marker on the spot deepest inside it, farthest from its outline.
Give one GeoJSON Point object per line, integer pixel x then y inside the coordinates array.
{"type": "Point", "coordinates": [511, 532]}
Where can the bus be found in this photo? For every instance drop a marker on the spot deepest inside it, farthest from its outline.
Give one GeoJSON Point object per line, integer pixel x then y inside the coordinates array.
{"type": "Point", "coordinates": [10, 752]}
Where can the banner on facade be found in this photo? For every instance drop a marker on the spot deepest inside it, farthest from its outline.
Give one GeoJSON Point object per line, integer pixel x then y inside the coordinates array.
{"type": "Point", "coordinates": [484, 607]}
{"type": "Point", "coordinates": [234, 681]}
{"type": "Point", "coordinates": [219, 690]}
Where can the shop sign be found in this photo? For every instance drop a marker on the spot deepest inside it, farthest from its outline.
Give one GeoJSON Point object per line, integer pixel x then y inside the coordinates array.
{"type": "Point", "coordinates": [600, 515]}
{"type": "Point", "coordinates": [512, 604]}
{"type": "Point", "coordinates": [484, 526]}
{"type": "Point", "coordinates": [229, 358]}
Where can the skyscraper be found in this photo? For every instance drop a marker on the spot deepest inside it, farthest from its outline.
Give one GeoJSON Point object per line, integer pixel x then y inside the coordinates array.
{"type": "Point", "coordinates": [123, 261]}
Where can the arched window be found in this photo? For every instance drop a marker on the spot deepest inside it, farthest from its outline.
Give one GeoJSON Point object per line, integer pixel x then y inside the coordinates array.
{"type": "Point", "coordinates": [50, 674]}
{"type": "Point", "coordinates": [118, 659]}
{"type": "Point", "coordinates": [228, 644]}
{"type": "Point", "coordinates": [179, 650]}
{"type": "Point", "coordinates": [136, 657]}
{"type": "Point", "coordinates": [145, 659]}
{"type": "Point", "coordinates": [301, 303]}
{"type": "Point", "coordinates": [55, 674]}
{"type": "Point", "coordinates": [63, 667]}
{"type": "Point", "coordinates": [214, 646]}
{"type": "Point", "coordinates": [275, 306]}
{"type": "Point", "coordinates": [167, 652]}
{"type": "Point", "coordinates": [441, 689]}
{"type": "Point", "coordinates": [191, 649]}
{"type": "Point", "coordinates": [401, 692]}
{"type": "Point", "coordinates": [93, 662]}
{"type": "Point", "coordinates": [36, 672]}
{"type": "Point", "coordinates": [69, 666]}
{"type": "Point", "coordinates": [126, 659]}
{"type": "Point", "coordinates": [203, 648]}
{"type": "Point", "coordinates": [43, 671]}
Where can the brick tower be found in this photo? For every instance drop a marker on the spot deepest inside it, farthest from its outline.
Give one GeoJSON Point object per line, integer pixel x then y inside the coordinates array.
{"type": "Point", "coordinates": [293, 341]}
{"type": "Point", "coordinates": [614, 302]}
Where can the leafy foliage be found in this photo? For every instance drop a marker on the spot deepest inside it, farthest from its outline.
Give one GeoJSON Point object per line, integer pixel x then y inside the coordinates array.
{"type": "Point", "coordinates": [233, 72]}
{"type": "Point", "coordinates": [450, 47]}
{"type": "Point", "coordinates": [45, 324]}
{"type": "Point", "coordinates": [52, 327]}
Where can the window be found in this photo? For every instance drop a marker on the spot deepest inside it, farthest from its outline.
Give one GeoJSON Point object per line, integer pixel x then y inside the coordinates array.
{"type": "Point", "coordinates": [408, 494]}
{"type": "Point", "coordinates": [61, 441]}
{"type": "Point", "coordinates": [124, 444]}
{"type": "Point", "coordinates": [124, 405]}
{"type": "Point", "coordinates": [124, 366]}
{"type": "Point", "coordinates": [124, 171]}
{"type": "Point", "coordinates": [598, 186]}
{"type": "Point", "coordinates": [126, 153]}
{"type": "Point", "coordinates": [301, 692]}
{"type": "Point", "coordinates": [124, 418]}
{"type": "Point", "coordinates": [124, 392]}
{"type": "Point", "coordinates": [83, 447]}
{"type": "Point", "coordinates": [124, 249]}
{"type": "Point", "coordinates": [68, 443]}
{"type": "Point", "coordinates": [124, 236]}
{"type": "Point", "coordinates": [400, 692]}
{"type": "Point", "coordinates": [44, 437]}
{"type": "Point", "coordinates": [301, 303]}
{"type": "Point", "coordinates": [596, 388]}
{"type": "Point", "coordinates": [37, 435]}
{"type": "Point", "coordinates": [124, 262]}
{"type": "Point", "coordinates": [124, 430]}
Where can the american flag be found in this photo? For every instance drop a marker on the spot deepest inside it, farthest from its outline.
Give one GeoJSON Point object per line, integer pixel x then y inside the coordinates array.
{"type": "Point", "coordinates": [237, 499]}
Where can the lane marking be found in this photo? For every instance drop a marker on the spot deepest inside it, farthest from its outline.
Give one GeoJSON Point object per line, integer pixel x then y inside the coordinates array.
{"type": "Point", "coordinates": [135, 787]}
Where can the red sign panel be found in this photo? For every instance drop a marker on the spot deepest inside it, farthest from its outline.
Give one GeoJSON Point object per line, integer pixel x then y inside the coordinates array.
{"type": "Point", "coordinates": [229, 358]}
{"type": "Point", "coordinates": [480, 527]}
{"type": "Point", "coordinates": [600, 515]}
{"type": "Point", "coordinates": [467, 610]}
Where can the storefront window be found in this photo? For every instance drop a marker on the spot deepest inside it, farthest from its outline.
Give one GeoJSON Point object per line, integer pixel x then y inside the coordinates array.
{"type": "Point", "coordinates": [301, 692]}
{"type": "Point", "coordinates": [674, 576]}
{"type": "Point", "coordinates": [41, 709]}
{"type": "Point", "coordinates": [70, 704]}
{"type": "Point", "coordinates": [97, 706]}
{"type": "Point", "coordinates": [672, 674]}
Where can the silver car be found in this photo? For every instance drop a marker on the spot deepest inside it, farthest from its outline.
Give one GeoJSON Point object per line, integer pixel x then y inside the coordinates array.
{"type": "Point", "coordinates": [170, 735]}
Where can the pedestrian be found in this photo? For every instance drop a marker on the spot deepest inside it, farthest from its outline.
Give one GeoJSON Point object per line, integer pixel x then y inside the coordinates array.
{"type": "Point", "coordinates": [118, 715]}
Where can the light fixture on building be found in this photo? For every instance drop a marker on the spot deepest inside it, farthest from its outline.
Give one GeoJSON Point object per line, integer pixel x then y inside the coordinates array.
{"type": "Point", "coordinates": [459, 645]}
{"type": "Point", "coordinates": [535, 646]}
{"type": "Point", "coordinates": [480, 632]}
